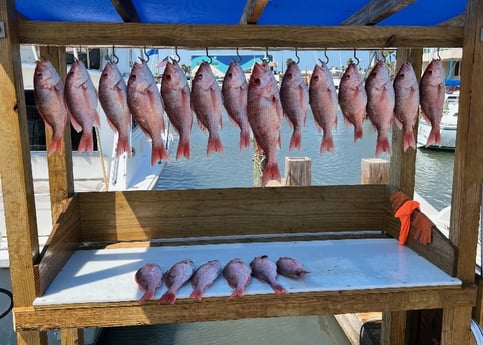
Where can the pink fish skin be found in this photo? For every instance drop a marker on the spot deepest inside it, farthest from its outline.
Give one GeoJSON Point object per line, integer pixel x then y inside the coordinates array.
{"type": "Point", "coordinates": [294, 96]}
{"type": "Point", "coordinates": [207, 104]}
{"type": "Point", "coordinates": [177, 102]}
{"type": "Point", "coordinates": [175, 278]}
{"type": "Point", "coordinates": [235, 92]}
{"type": "Point", "coordinates": [238, 275]}
{"type": "Point", "coordinates": [81, 99]}
{"type": "Point", "coordinates": [380, 104]}
{"type": "Point", "coordinates": [204, 277]}
{"type": "Point", "coordinates": [353, 99]}
{"type": "Point", "coordinates": [50, 102]}
{"type": "Point", "coordinates": [432, 92]}
{"type": "Point", "coordinates": [406, 90]}
{"type": "Point", "coordinates": [323, 102]}
{"type": "Point", "coordinates": [290, 267]}
{"type": "Point", "coordinates": [144, 101]}
{"type": "Point", "coordinates": [149, 277]}
{"type": "Point", "coordinates": [113, 99]}
{"type": "Point", "coordinates": [265, 270]}
{"type": "Point", "coordinates": [265, 117]}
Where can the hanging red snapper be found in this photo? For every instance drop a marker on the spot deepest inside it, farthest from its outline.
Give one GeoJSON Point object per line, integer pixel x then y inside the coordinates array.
{"type": "Point", "coordinates": [432, 98]}
{"type": "Point", "coordinates": [204, 277]}
{"type": "Point", "coordinates": [380, 104]}
{"type": "Point", "coordinates": [406, 90]}
{"type": "Point", "coordinates": [149, 277]}
{"type": "Point", "coordinates": [294, 96]}
{"type": "Point", "coordinates": [177, 102]}
{"type": "Point", "coordinates": [175, 278]}
{"type": "Point", "coordinates": [265, 270]}
{"type": "Point", "coordinates": [353, 99]}
{"type": "Point", "coordinates": [207, 104]}
{"type": "Point", "coordinates": [144, 101]}
{"type": "Point", "coordinates": [238, 275]}
{"type": "Point", "coordinates": [323, 102]}
{"type": "Point", "coordinates": [265, 117]}
{"type": "Point", "coordinates": [113, 99]}
{"type": "Point", "coordinates": [235, 93]}
{"type": "Point", "coordinates": [50, 102]}
{"type": "Point", "coordinates": [81, 98]}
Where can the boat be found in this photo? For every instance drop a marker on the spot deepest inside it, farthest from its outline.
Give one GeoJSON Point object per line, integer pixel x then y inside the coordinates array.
{"type": "Point", "coordinates": [100, 170]}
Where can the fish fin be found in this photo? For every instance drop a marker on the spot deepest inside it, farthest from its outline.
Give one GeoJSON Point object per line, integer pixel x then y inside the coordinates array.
{"type": "Point", "coordinates": [239, 292]}
{"type": "Point", "coordinates": [75, 124]}
{"type": "Point", "coordinates": [214, 144]}
{"type": "Point", "coordinates": [434, 137]}
{"type": "Point", "coordinates": [158, 152]}
{"type": "Point", "coordinates": [358, 133]}
{"type": "Point", "coordinates": [398, 122]}
{"type": "Point", "coordinates": [168, 297]}
{"type": "Point", "coordinates": [278, 289]}
{"type": "Point", "coordinates": [86, 142]}
{"type": "Point", "coordinates": [197, 293]}
{"type": "Point", "coordinates": [201, 125]}
{"type": "Point", "coordinates": [408, 140]}
{"type": "Point", "coordinates": [183, 147]}
{"type": "Point", "coordinates": [270, 172]}
{"type": "Point", "coordinates": [55, 146]}
{"type": "Point", "coordinates": [383, 145]}
{"type": "Point", "coordinates": [111, 125]}
{"type": "Point", "coordinates": [147, 296]}
{"type": "Point", "coordinates": [244, 139]}
{"type": "Point", "coordinates": [123, 145]}
{"type": "Point", "coordinates": [327, 144]}
{"type": "Point", "coordinates": [295, 140]}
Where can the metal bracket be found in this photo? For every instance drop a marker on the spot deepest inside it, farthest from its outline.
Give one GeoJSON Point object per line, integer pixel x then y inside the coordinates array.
{"type": "Point", "coordinates": [2, 29]}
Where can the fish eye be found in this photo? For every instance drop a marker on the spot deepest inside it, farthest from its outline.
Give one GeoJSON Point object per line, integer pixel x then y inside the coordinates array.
{"type": "Point", "coordinates": [257, 81]}
{"type": "Point", "coordinates": [200, 76]}
{"type": "Point", "coordinates": [104, 74]}
{"type": "Point", "coordinates": [133, 77]}
{"type": "Point", "coordinates": [168, 77]}
{"type": "Point", "coordinates": [39, 75]}
{"type": "Point", "coordinates": [316, 77]}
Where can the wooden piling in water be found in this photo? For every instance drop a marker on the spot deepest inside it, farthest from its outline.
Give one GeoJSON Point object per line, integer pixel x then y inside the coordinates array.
{"type": "Point", "coordinates": [374, 171]}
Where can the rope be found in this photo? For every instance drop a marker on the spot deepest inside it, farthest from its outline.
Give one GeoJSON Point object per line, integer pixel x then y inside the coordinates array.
{"type": "Point", "coordinates": [10, 307]}
{"type": "Point", "coordinates": [104, 173]}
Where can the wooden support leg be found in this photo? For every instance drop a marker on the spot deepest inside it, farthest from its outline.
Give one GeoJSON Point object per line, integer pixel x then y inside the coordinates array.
{"type": "Point", "coordinates": [29, 338]}
{"type": "Point", "coordinates": [453, 333]}
{"type": "Point", "coordinates": [72, 336]}
{"type": "Point", "coordinates": [393, 328]}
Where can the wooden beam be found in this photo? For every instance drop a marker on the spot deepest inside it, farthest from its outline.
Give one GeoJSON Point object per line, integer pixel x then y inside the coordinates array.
{"type": "Point", "coordinates": [455, 21]}
{"type": "Point", "coordinates": [237, 36]}
{"type": "Point", "coordinates": [126, 10]}
{"type": "Point", "coordinates": [375, 11]}
{"type": "Point", "coordinates": [252, 12]}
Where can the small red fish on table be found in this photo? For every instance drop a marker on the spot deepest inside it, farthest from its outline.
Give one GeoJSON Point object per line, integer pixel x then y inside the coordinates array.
{"type": "Point", "coordinates": [175, 92]}
{"type": "Point", "coordinates": [265, 270]}
{"type": "Point", "coordinates": [204, 277]}
{"type": "Point", "coordinates": [50, 102]}
{"type": "Point", "coordinates": [81, 99]}
{"type": "Point", "coordinates": [290, 267]}
{"type": "Point", "coordinates": [235, 92]}
{"type": "Point", "coordinates": [324, 104]}
{"type": "Point", "coordinates": [144, 101]}
{"type": "Point", "coordinates": [207, 104]}
{"type": "Point", "coordinates": [174, 278]}
{"type": "Point", "coordinates": [149, 278]}
{"type": "Point", "coordinates": [432, 89]}
{"type": "Point", "coordinates": [294, 96]}
{"type": "Point", "coordinates": [265, 117]}
{"type": "Point", "coordinates": [238, 275]}
{"type": "Point", "coordinates": [113, 99]}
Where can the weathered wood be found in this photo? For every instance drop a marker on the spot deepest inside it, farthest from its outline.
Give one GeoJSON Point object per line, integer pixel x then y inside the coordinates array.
{"type": "Point", "coordinates": [376, 11]}
{"type": "Point", "coordinates": [298, 171]}
{"type": "Point", "coordinates": [250, 306]}
{"type": "Point", "coordinates": [237, 36]}
{"type": "Point", "coordinates": [126, 10]}
{"type": "Point", "coordinates": [125, 216]}
{"type": "Point", "coordinates": [71, 336]}
{"type": "Point", "coordinates": [252, 12]}
{"type": "Point", "coordinates": [374, 171]}
{"type": "Point", "coordinates": [393, 328]}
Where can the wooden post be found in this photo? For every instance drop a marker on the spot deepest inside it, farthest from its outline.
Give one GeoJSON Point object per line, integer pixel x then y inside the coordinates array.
{"type": "Point", "coordinates": [374, 171]}
{"type": "Point", "coordinates": [298, 171]}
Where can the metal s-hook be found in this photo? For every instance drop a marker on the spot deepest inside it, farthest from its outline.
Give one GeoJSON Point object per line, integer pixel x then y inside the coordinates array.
{"type": "Point", "coordinates": [355, 57]}
{"type": "Point", "coordinates": [326, 57]}
{"type": "Point", "coordinates": [437, 54]}
{"type": "Point", "coordinates": [176, 54]}
{"type": "Point", "coordinates": [238, 54]}
{"type": "Point", "coordinates": [145, 54]}
{"type": "Point", "coordinates": [209, 57]}
{"type": "Point", "coordinates": [297, 56]}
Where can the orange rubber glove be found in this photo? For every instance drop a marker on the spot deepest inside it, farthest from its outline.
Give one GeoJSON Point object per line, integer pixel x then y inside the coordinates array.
{"type": "Point", "coordinates": [404, 213]}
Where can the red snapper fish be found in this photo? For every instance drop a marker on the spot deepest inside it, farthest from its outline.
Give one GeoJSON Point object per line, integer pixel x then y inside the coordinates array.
{"type": "Point", "coordinates": [323, 102]}
{"type": "Point", "coordinates": [175, 278]}
{"type": "Point", "coordinates": [432, 98]}
{"type": "Point", "coordinates": [144, 101]}
{"type": "Point", "coordinates": [265, 117]}
{"type": "Point", "coordinates": [207, 104]}
{"type": "Point", "coordinates": [380, 104]}
{"type": "Point", "coordinates": [294, 96]}
{"type": "Point", "coordinates": [50, 102]}
{"type": "Point", "coordinates": [81, 98]}
{"type": "Point", "coordinates": [177, 102]}
{"type": "Point", "coordinates": [149, 277]}
{"type": "Point", "coordinates": [265, 270]}
{"type": "Point", "coordinates": [238, 275]}
{"type": "Point", "coordinates": [406, 90]}
{"type": "Point", "coordinates": [235, 92]}
{"type": "Point", "coordinates": [204, 277]}
{"type": "Point", "coordinates": [353, 99]}
{"type": "Point", "coordinates": [290, 267]}
{"type": "Point", "coordinates": [113, 99]}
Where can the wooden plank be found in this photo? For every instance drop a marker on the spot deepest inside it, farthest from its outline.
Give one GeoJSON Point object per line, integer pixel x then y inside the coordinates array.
{"type": "Point", "coordinates": [249, 306]}
{"type": "Point", "coordinates": [61, 179]}
{"type": "Point", "coordinates": [126, 216]}
{"type": "Point", "coordinates": [71, 336]}
{"type": "Point", "coordinates": [126, 10]}
{"type": "Point", "coordinates": [393, 328]}
{"type": "Point", "coordinates": [298, 171]}
{"type": "Point", "coordinates": [376, 11]}
{"type": "Point", "coordinates": [237, 36]}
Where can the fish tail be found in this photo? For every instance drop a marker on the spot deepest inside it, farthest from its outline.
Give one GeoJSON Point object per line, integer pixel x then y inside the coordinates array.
{"type": "Point", "coordinates": [123, 146]}
{"type": "Point", "coordinates": [408, 140]}
{"type": "Point", "coordinates": [270, 172]}
{"type": "Point", "coordinates": [214, 145]}
{"type": "Point", "coordinates": [86, 142]}
{"type": "Point", "coordinates": [383, 145]}
{"type": "Point", "coordinates": [197, 293]}
{"type": "Point", "coordinates": [295, 140]}
{"type": "Point", "coordinates": [278, 289]}
{"type": "Point", "coordinates": [168, 297]}
{"type": "Point", "coordinates": [158, 153]}
{"type": "Point", "coordinates": [239, 292]}
{"type": "Point", "coordinates": [147, 296]}
{"type": "Point", "coordinates": [358, 133]}
{"type": "Point", "coordinates": [434, 137]}
{"type": "Point", "coordinates": [55, 146]}
{"type": "Point", "coordinates": [327, 144]}
{"type": "Point", "coordinates": [244, 139]}
{"type": "Point", "coordinates": [183, 148]}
